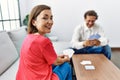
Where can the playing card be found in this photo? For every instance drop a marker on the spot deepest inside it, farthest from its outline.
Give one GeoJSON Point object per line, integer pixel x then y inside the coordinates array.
{"type": "Point", "coordinates": [89, 67]}
{"type": "Point", "coordinates": [84, 62]}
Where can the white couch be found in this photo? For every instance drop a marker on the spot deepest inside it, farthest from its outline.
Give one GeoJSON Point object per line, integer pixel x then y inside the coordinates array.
{"type": "Point", "coordinates": [10, 43]}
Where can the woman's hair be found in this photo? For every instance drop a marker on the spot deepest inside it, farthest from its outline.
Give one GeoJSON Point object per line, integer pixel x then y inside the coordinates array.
{"type": "Point", "coordinates": [90, 13]}
{"type": "Point", "coordinates": [33, 15]}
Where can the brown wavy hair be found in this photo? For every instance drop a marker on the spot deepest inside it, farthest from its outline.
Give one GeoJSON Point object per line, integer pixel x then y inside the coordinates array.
{"type": "Point", "coordinates": [33, 15]}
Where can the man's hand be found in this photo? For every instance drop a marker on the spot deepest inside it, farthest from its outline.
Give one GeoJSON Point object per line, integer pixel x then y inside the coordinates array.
{"type": "Point", "coordinates": [94, 42]}
{"type": "Point", "coordinates": [86, 43]}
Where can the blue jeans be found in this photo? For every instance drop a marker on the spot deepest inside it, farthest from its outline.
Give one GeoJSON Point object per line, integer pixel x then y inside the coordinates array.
{"type": "Point", "coordinates": [64, 71]}
{"type": "Point", "coordinates": [106, 50]}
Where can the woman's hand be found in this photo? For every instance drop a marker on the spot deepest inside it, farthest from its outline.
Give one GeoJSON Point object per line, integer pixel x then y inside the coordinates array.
{"type": "Point", "coordinates": [61, 59]}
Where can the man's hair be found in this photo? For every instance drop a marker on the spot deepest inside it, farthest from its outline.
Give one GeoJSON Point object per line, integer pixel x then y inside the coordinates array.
{"type": "Point", "coordinates": [90, 13]}
{"type": "Point", "coordinates": [33, 15]}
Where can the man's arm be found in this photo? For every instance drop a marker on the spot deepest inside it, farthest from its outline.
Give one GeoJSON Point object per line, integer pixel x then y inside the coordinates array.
{"type": "Point", "coordinates": [103, 39]}
{"type": "Point", "coordinates": [76, 43]}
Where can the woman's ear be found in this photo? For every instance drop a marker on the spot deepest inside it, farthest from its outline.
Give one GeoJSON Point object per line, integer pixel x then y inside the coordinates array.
{"type": "Point", "coordinates": [33, 22]}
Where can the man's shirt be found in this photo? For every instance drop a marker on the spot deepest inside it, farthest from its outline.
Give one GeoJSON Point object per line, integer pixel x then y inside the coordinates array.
{"type": "Point", "coordinates": [82, 33]}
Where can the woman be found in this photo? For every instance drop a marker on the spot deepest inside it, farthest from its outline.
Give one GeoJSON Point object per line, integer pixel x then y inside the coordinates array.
{"type": "Point", "coordinates": [38, 59]}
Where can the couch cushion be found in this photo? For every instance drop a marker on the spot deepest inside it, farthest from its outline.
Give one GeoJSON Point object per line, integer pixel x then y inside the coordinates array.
{"type": "Point", "coordinates": [18, 36]}
{"type": "Point", "coordinates": [8, 52]}
{"type": "Point", "coordinates": [10, 74]}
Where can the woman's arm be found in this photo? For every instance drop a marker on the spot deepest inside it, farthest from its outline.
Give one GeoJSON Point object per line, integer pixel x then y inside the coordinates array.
{"type": "Point", "coordinates": [61, 59]}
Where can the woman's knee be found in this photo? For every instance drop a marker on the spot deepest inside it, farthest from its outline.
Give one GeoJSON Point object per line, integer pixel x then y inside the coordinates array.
{"type": "Point", "coordinates": [66, 65]}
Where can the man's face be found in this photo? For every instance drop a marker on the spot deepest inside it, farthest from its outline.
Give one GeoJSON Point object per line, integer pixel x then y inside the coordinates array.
{"type": "Point", "coordinates": [90, 20]}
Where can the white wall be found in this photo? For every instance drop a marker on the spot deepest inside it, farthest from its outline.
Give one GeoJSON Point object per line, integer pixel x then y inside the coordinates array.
{"type": "Point", "coordinates": [69, 13]}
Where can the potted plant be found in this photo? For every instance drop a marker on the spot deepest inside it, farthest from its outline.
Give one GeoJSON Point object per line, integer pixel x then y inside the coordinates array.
{"type": "Point", "coordinates": [25, 21]}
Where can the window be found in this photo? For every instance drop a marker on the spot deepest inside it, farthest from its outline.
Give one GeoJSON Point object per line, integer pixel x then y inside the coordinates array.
{"type": "Point", "coordinates": [9, 14]}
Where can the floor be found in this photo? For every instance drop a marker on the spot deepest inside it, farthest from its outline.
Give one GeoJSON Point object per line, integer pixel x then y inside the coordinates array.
{"type": "Point", "coordinates": [116, 56]}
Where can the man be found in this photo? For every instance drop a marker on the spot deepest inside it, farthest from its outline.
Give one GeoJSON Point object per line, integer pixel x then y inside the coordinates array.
{"type": "Point", "coordinates": [89, 37]}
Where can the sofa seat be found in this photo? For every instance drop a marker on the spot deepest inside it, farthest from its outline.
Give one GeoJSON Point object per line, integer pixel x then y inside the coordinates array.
{"type": "Point", "coordinates": [10, 42]}
{"type": "Point", "coordinates": [10, 74]}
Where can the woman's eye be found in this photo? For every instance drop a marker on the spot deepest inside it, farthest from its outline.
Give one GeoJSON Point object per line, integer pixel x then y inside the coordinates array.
{"type": "Point", "coordinates": [45, 18]}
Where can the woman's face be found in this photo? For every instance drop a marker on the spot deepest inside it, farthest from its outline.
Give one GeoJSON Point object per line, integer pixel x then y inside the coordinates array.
{"type": "Point", "coordinates": [44, 22]}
